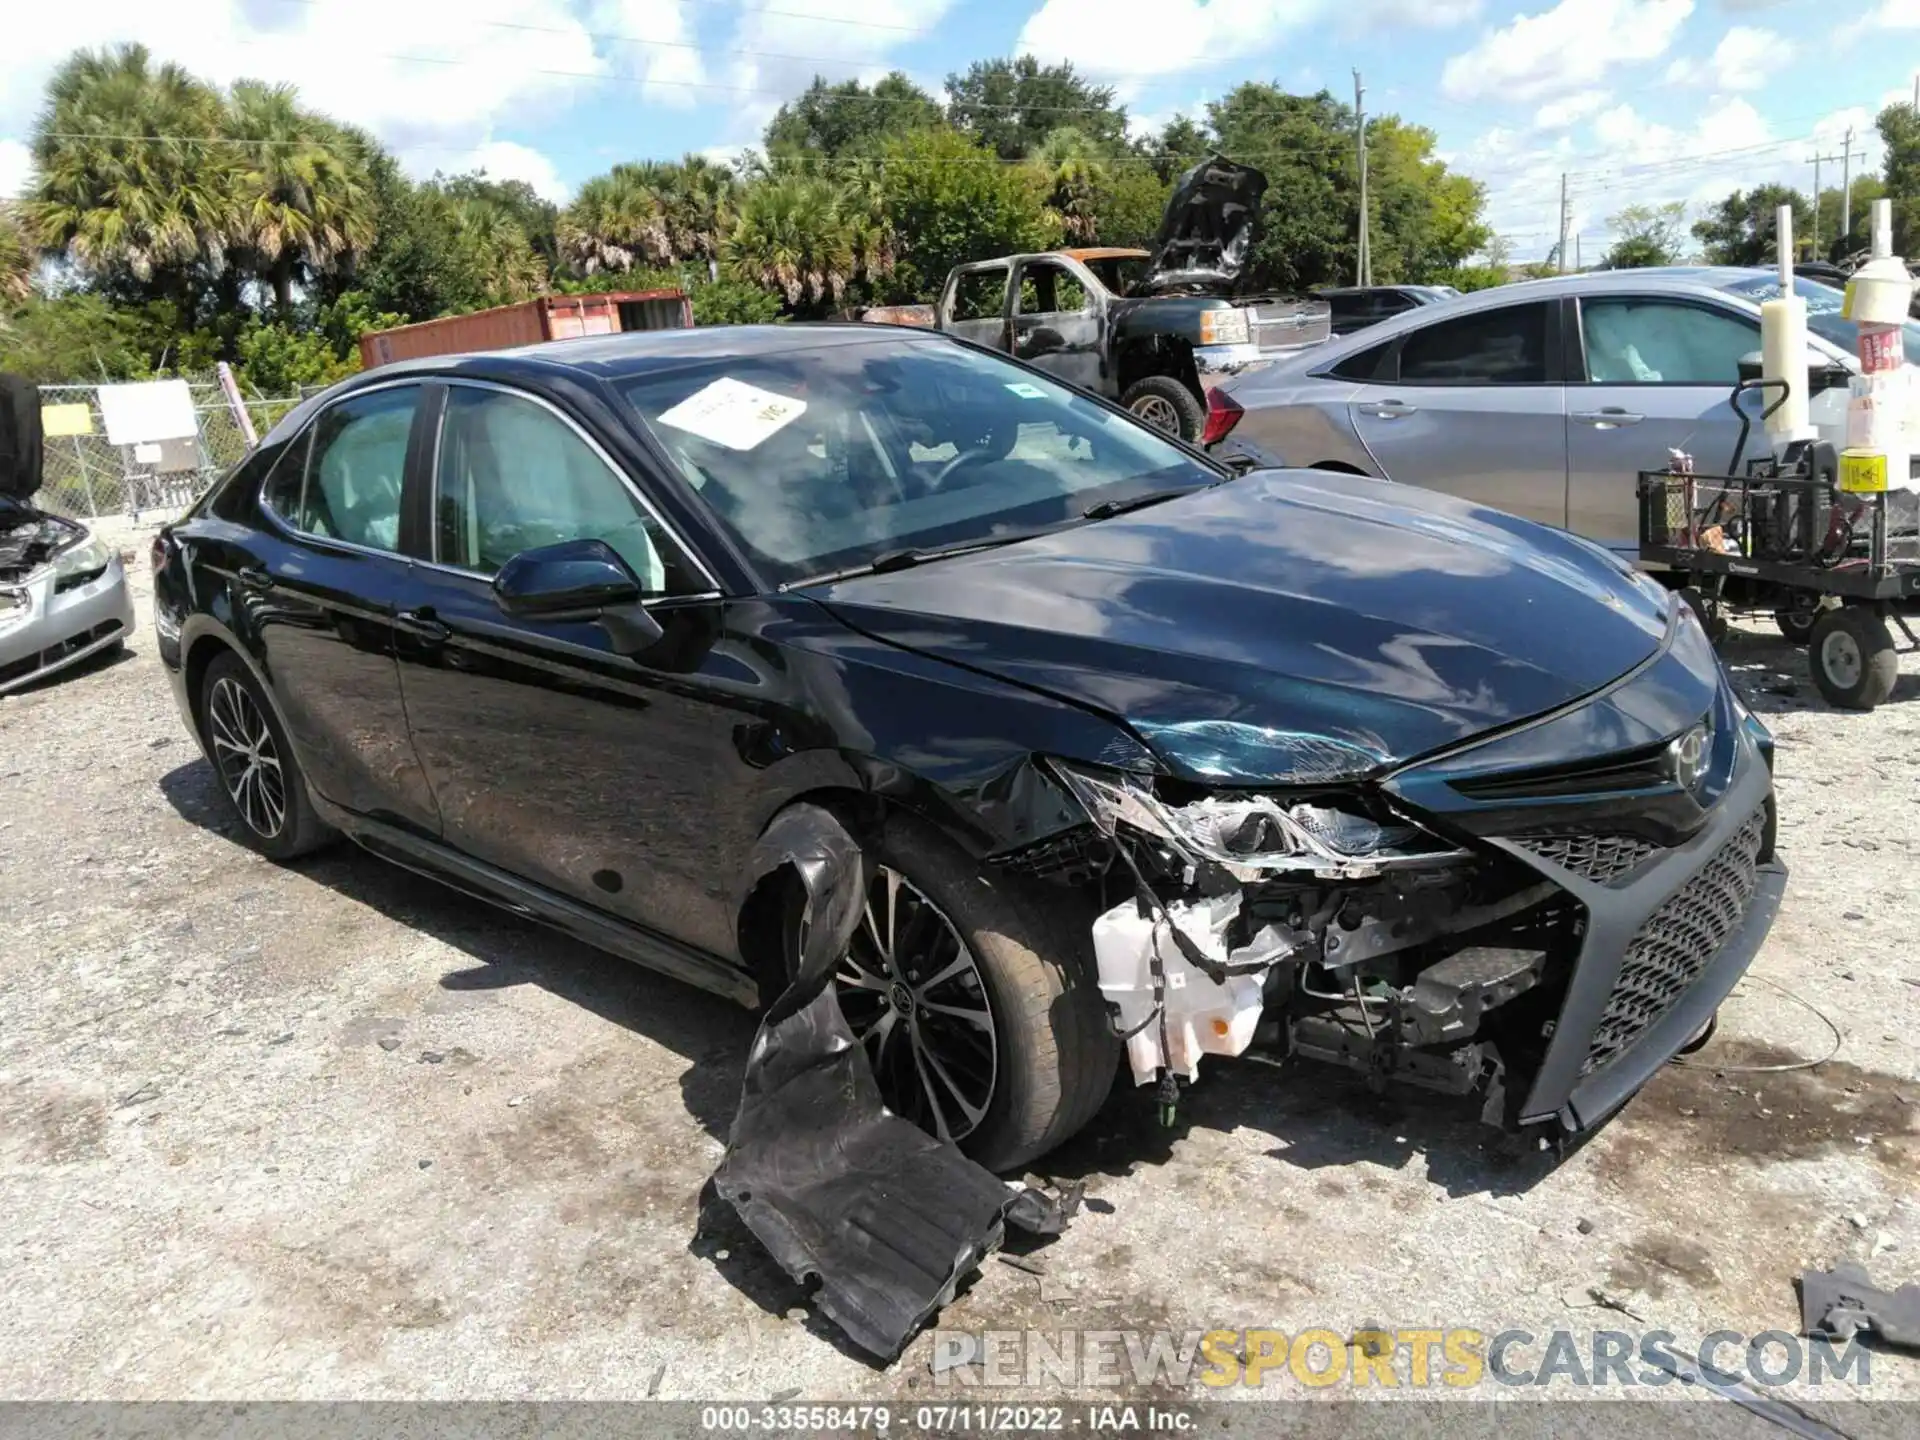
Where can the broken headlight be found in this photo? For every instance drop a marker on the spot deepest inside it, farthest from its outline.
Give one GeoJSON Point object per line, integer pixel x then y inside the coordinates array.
{"type": "Point", "coordinates": [1252, 834]}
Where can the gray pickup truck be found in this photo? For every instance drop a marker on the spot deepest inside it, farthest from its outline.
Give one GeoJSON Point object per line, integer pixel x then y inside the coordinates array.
{"type": "Point", "coordinates": [1149, 328]}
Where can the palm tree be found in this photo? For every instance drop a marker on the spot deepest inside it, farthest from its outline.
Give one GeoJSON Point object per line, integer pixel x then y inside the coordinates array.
{"type": "Point", "coordinates": [617, 221]}
{"type": "Point", "coordinates": [698, 198]}
{"type": "Point", "coordinates": [303, 197]}
{"type": "Point", "coordinates": [495, 244]}
{"type": "Point", "coordinates": [127, 184]}
{"type": "Point", "coordinates": [16, 256]}
{"type": "Point", "coordinates": [793, 238]}
{"type": "Point", "coordinates": [1073, 168]}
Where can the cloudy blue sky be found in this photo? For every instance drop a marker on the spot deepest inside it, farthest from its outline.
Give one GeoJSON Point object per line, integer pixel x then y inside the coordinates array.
{"type": "Point", "coordinates": [1636, 99]}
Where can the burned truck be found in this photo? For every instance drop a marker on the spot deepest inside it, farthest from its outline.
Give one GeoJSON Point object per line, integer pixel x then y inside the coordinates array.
{"type": "Point", "coordinates": [1148, 328]}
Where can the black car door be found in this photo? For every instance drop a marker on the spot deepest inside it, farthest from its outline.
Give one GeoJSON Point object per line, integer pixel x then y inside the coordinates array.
{"type": "Point", "coordinates": [320, 591]}
{"type": "Point", "coordinates": [553, 755]}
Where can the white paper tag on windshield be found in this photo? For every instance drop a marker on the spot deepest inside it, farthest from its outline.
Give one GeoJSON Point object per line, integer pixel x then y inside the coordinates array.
{"type": "Point", "coordinates": [1026, 391]}
{"type": "Point", "coordinates": [732, 413]}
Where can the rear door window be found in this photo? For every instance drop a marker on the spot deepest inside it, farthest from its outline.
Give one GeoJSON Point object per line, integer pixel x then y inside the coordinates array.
{"type": "Point", "coordinates": [350, 485]}
{"type": "Point", "coordinates": [981, 295]}
{"type": "Point", "coordinates": [1507, 346]}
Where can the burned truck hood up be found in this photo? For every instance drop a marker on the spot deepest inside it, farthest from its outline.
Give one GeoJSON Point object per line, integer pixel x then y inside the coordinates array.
{"type": "Point", "coordinates": [1208, 228]}
{"type": "Point", "coordinates": [20, 437]}
{"type": "Point", "coordinates": [1288, 626]}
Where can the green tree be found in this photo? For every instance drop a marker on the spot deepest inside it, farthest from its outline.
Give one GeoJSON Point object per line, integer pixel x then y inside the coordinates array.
{"type": "Point", "coordinates": [17, 257]}
{"type": "Point", "coordinates": [1424, 219]}
{"type": "Point", "coordinates": [829, 120]}
{"type": "Point", "coordinates": [1072, 171]}
{"type": "Point", "coordinates": [731, 302]}
{"type": "Point", "coordinates": [1180, 145]}
{"type": "Point", "coordinates": [1647, 235]}
{"type": "Point", "coordinates": [1740, 229]}
{"type": "Point", "coordinates": [1010, 106]}
{"type": "Point", "coordinates": [128, 187]}
{"type": "Point", "coordinates": [1899, 127]}
{"type": "Point", "coordinates": [1129, 204]}
{"type": "Point", "coordinates": [792, 238]}
{"type": "Point", "coordinates": [616, 222]}
{"type": "Point", "coordinates": [76, 336]}
{"type": "Point", "coordinates": [535, 216]}
{"type": "Point", "coordinates": [1838, 238]}
{"type": "Point", "coordinates": [949, 201]}
{"type": "Point", "coordinates": [1304, 144]}
{"type": "Point", "coordinates": [303, 199]}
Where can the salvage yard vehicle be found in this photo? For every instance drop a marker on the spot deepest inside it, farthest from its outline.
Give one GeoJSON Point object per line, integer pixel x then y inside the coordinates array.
{"type": "Point", "coordinates": [63, 591]}
{"type": "Point", "coordinates": [581, 629]}
{"type": "Point", "coordinates": [1146, 327]}
{"type": "Point", "coordinates": [1544, 398]}
{"type": "Point", "coordinates": [1355, 307]}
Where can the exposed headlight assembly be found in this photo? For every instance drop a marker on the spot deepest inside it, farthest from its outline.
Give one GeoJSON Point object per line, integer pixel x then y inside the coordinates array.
{"type": "Point", "coordinates": [1223, 327]}
{"type": "Point", "coordinates": [91, 553]}
{"type": "Point", "coordinates": [1252, 836]}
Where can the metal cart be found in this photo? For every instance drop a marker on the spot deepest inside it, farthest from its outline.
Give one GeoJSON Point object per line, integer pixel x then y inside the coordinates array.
{"type": "Point", "coordinates": [1790, 538]}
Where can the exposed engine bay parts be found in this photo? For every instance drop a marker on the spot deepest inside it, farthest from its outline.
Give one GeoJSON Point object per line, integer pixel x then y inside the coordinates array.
{"type": "Point", "coordinates": [883, 1216]}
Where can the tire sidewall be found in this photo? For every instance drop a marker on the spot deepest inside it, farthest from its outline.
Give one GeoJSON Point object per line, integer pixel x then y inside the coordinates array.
{"type": "Point", "coordinates": [1879, 665]}
{"type": "Point", "coordinates": [1192, 414]}
{"type": "Point", "coordinates": [302, 828]}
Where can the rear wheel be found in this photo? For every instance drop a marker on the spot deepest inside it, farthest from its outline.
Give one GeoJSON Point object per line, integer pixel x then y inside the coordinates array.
{"type": "Point", "coordinates": [1796, 622]}
{"type": "Point", "coordinates": [1166, 404]}
{"type": "Point", "coordinates": [258, 774]}
{"type": "Point", "coordinates": [980, 1014]}
{"type": "Point", "coordinates": [1852, 658]}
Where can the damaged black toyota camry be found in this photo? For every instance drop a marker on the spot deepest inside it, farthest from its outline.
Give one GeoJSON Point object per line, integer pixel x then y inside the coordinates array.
{"type": "Point", "coordinates": [1137, 757]}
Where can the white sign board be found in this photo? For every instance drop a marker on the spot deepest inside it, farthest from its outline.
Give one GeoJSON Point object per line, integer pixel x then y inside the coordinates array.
{"type": "Point", "coordinates": [141, 414]}
{"type": "Point", "coordinates": [732, 413]}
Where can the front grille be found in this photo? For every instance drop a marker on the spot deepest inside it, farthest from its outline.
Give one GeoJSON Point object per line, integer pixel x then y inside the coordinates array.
{"type": "Point", "coordinates": [1603, 859]}
{"type": "Point", "coordinates": [1674, 946]}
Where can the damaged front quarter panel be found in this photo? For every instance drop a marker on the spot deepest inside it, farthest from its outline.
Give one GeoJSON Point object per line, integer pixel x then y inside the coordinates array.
{"type": "Point", "coordinates": [886, 1219]}
{"type": "Point", "coordinates": [1324, 920]}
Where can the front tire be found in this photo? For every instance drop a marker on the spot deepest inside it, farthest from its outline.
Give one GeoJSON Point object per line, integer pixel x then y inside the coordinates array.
{"type": "Point", "coordinates": [1852, 658]}
{"type": "Point", "coordinates": [255, 764]}
{"type": "Point", "coordinates": [978, 1006]}
{"type": "Point", "coordinates": [1167, 405]}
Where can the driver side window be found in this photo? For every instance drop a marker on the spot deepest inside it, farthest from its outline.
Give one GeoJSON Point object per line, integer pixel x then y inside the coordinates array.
{"type": "Point", "coordinates": [514, 476]}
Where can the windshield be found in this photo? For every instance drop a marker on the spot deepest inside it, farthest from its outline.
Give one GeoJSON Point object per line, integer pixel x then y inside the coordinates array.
{"type": "Point", "coordinates": [1119, 273]}
{"type": "Point", "coordinates": [822, 459]}
{"type": "Point", "coordinates": [1823, 311]}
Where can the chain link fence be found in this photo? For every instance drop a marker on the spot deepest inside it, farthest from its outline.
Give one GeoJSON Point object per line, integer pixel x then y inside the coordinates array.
{"type": "Point", "coordinates": [86, 476]}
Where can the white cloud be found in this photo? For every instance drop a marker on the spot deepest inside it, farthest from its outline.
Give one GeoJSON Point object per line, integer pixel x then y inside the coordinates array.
{"type": "Point", "coordinates": [1559, 114]}
{"type": "Point", "coordinates": [510, 160]}
{"type": "Point", "coordinates": [1747, 58]}
{"type": "Point", "coordinates": [1157, 37]}
{"type": "Point", "coordinates": [1572, 45]}
{"type": "Point", "coordinates": [1895, 15]}
{"type": "Point", "coordinates": [862, 49]}
{"type": "Point", "coordinates": [669, 66]}
{"type": "Point", "coordinates": [16, 163]}
{"type": "Point", "coordinates": [1431, 14]}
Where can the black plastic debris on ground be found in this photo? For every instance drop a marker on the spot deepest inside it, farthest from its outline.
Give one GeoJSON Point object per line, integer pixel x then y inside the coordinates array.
{"type": "Point", "coordinates": [1844, 1301]}
{"type": "Point", "coordinates": [886, 1218]}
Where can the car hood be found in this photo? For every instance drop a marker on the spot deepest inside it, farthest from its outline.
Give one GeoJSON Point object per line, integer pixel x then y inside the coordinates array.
{"type": "Point", "coordinates": [1207, 230]}
{"type": "Point", "coordinates": [1288, 626]}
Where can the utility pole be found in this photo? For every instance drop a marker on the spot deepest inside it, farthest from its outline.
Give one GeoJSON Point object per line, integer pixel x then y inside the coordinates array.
{"type": "Point", "coordinates": [1818, 160]}
{"type": "Point", "coordinates": [1846, 187]}
{"type": "Point", "coordinates": [1363, 267]}
{"type": "Point", "coordinates": [1561, 250]}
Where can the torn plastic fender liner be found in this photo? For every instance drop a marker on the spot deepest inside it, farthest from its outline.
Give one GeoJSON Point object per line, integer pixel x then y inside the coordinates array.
{"type": "Point", "coordinates": [839, 1189]}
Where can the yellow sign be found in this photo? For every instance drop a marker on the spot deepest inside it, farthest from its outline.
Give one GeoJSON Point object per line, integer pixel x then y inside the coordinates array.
{"type": "Point", "coordinates": [59, 420]}
{"type": "Point", "coordinates": [1862, 473]}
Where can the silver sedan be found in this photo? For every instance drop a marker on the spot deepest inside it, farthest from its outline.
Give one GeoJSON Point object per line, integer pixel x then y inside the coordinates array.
{"type": "Point", "coordinates": [1542, 398]}
{"type": "Point", "coordinates": [63, 595]}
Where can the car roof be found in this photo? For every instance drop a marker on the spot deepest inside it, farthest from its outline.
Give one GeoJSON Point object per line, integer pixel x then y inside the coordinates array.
{"type": "Point", "coordinates": [617, 357]}
{"type": "Point", "coordinates": [1106, 252]}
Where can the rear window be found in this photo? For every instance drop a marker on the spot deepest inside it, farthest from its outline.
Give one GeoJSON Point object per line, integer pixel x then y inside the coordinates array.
{"type": "Point", "coordinates": [1494, 347]}
{"type": "Point", "coordinates": [1365, 365]}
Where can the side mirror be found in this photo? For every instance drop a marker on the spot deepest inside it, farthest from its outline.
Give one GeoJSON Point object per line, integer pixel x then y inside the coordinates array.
{"type": "Point", "coordinates": [575, 579]}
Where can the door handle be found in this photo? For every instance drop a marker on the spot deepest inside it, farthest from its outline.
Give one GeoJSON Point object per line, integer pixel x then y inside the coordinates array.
{"type": "Point", "coordinates": [252, 577]}
{"type": "Point", "coordinates": [422, 624]}
{"type": "Point", "coordinates": [1389, 409]}
{"type": "Point", "coordinates": [1608, 418]}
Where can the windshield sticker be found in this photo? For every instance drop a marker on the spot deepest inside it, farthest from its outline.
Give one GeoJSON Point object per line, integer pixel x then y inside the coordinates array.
{"type": "Point", "coordinates": [732, 413]}
{"type": "Point", "coordinates": [1026, 391]}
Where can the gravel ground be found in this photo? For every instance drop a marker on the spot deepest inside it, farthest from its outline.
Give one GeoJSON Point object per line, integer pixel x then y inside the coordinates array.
{"type": "Point", "coordinates": [333, 1131]}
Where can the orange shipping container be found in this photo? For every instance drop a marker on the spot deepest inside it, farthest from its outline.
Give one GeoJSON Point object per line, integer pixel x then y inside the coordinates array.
{"type": "Point", "coordinates": [547, 317]}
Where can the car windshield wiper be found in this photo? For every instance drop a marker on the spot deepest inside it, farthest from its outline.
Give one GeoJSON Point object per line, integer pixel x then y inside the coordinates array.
{"type": "Point", "coordinates": [1107, 509]}
{"type": "Point", "coordinates": [906, 557]}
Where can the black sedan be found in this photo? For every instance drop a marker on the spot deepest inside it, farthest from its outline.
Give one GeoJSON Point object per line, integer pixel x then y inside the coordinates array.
{"type": "Point", "coordinates": [1351, 770]}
